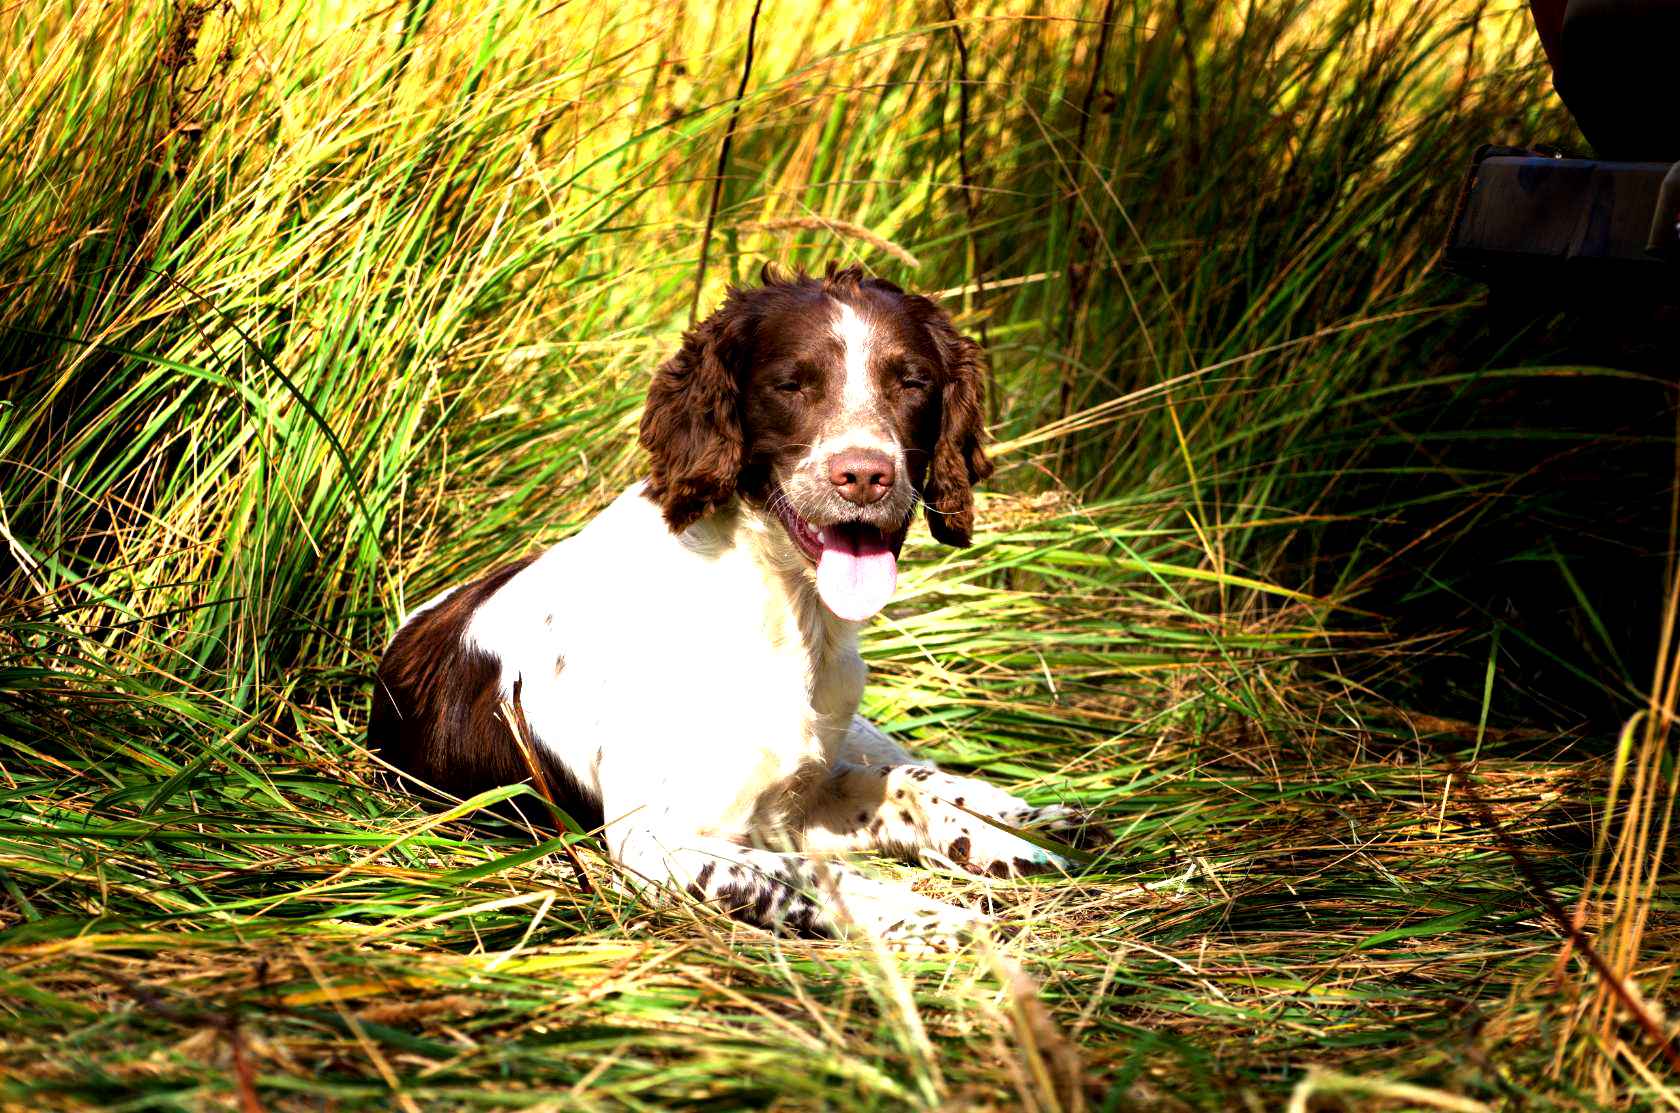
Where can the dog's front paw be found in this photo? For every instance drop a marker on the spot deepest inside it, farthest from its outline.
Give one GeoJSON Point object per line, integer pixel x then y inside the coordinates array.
{"type": "Point", "coordinates": [1069, 824]}
{"type": "Point", "coordinates": [904, 920]}
{"type": "Point", "coordinates": [978, 847]}
{"type": "Point", "coordinates": [936, 927]}
{"type": "Point", "coordinates": [1074, 826]}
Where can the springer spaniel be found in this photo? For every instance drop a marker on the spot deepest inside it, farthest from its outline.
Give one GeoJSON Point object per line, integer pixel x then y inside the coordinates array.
{"type": "Point", "coordinates": [686, 665]}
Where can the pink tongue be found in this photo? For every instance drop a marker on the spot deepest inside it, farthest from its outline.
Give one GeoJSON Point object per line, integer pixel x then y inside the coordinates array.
{"type": "Point", "coordinates": [857, 572]}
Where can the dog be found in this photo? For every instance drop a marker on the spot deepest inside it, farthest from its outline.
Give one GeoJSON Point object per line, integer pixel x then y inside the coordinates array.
{"type": "Point", "coordinates": [686, 665]}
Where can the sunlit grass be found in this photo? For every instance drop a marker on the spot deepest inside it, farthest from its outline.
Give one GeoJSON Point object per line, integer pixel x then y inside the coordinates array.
{"type": "Point", "coordinates": [307, 311]}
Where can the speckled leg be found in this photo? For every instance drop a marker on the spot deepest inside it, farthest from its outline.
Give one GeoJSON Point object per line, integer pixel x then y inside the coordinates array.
{"type": "Point", "coordinates": [793, 893]}
{"type": "Point", "coordinates": [920, 813]}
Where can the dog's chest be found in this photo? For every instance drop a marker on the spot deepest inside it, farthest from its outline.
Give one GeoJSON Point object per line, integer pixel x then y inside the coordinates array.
{"type": "Point", "coordinates": [795, 678]}
{"type": "Point", "coordinates": [818, 653]}
{"type": "Point", "coordinates": [648, 661]}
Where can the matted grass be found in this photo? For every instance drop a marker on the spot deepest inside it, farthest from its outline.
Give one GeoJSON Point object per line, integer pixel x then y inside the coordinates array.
{"type": "Point", "coordinates": [309, 310]}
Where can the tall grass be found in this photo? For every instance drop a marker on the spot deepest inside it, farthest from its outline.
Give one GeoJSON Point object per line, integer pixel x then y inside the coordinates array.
{"type": "Point", "coordinates": [310, 310]}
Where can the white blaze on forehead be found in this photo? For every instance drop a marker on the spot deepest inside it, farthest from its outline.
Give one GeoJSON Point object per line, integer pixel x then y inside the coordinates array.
{"type": "Point", "coordinates": [856, 338]}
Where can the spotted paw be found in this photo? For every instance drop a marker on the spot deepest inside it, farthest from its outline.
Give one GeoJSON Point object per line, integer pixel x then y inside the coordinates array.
{"type": "Point", "coordinates": [940, 927]}
{"type": "Point", "coordinates": [905, 920]}
{"type": "Point", "coordinates": [987, 851]}
{"type": "Point", "coordinates": [1074, 826]}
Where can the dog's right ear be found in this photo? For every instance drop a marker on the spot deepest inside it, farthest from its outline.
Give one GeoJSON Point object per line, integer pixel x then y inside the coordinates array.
{"type": "Point", "coordinates": [692, 423]}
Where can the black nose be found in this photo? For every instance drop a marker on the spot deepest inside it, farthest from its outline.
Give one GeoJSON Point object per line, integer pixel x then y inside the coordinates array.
{"type": "Point", "coordinates": [862, 475]}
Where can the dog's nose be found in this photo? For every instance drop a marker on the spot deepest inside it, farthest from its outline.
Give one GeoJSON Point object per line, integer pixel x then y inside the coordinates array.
{"type": "Point", "coordinates": [862, 476]}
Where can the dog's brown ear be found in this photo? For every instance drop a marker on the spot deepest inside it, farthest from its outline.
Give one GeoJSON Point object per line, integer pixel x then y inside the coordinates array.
{"type": "Point", "coordinates": [691, 425]}
{"type": "Point", "coordinates": [959, 461]}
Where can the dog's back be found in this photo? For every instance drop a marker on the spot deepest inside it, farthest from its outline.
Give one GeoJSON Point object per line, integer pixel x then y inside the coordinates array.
{"type": "Point", "coordinates": [437, 706]}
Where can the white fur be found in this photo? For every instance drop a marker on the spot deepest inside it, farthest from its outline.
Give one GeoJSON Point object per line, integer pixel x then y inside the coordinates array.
{"type": "Point", "coordinates": [857, 394]}
{"type": "Point", "coordinates": [651, 627]}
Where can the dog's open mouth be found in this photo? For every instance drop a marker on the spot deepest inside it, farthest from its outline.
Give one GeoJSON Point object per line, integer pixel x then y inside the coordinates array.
{"type": "Point", "coordinates": [857, 563]}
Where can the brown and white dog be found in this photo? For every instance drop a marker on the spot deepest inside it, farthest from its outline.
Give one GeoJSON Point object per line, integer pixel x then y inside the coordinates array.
{"type": "Point", "coordinates": [687, 663]}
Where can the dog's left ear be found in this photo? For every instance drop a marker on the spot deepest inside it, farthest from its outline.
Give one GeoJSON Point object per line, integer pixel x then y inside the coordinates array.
{"type": "Point", "coordinates": [959, 461]}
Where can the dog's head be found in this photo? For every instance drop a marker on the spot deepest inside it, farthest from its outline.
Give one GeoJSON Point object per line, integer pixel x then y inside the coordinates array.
{"type": "Point", "coordinates": [836, 404]}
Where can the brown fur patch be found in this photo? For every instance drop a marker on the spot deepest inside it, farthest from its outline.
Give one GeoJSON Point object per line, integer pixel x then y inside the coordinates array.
{"type": "Point", "coordinates": [436, 708]}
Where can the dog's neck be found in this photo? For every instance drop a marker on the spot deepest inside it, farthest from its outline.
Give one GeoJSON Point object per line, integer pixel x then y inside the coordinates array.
{"type": "Point", "coordinates": [794, 613]}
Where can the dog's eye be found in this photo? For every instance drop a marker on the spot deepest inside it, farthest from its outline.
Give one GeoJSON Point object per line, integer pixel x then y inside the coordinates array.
{"type": "Point", "coordinates": [793, 377]}
{"type": "Point", "coordinates": [915, 379]}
